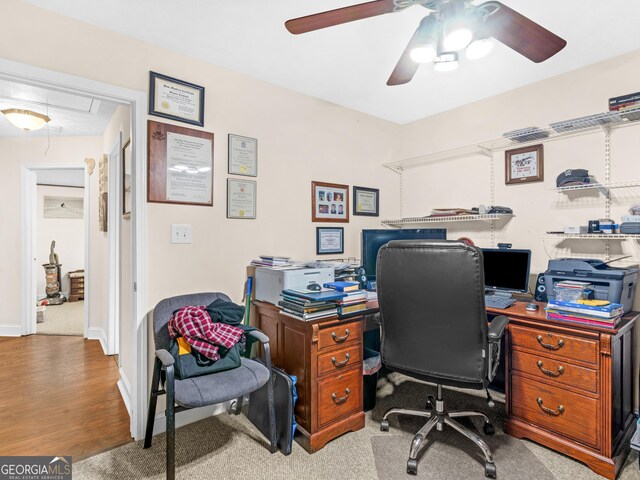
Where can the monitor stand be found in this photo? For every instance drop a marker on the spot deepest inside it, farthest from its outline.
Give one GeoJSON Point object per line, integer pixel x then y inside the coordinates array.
{"type": "Point", "coordinates": [498, 293]}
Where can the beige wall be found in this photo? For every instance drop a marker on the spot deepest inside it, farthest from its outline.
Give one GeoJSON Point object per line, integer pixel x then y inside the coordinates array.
{"type": "Point", "coordinates": [68, 234]}
{"type": "Point", "coordinates": [15, 152]}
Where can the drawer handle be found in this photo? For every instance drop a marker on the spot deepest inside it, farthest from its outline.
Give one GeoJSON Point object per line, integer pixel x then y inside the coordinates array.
{"type": "Point", "coordinates": [548, 346]}
{"type": "Point", "coordinates": [550, 411]}
{"type": "Point", "coordinates": [340, 364]}
{"type": "Point", "coordinates": [340, 400]}
{"type": "Point", "coordinates": [549, 372]}
{"type": "Point", "coordinates": [338, 339]}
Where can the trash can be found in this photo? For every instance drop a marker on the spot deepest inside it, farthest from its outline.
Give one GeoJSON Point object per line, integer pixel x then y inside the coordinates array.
{"type": "Point", "coordinates": [370, 366]}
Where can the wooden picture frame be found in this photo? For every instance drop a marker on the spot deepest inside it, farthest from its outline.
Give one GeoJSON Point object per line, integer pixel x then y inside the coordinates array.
{"type": "Point", "coordinates": [524, 165]}
{"type": "Point", "coordinates": [180, 165]}
{"type": "Point", "coordinates": [366, 201]}
{"type": "Point", "coordinates": [176, 99]}
{"type": "Point", "coordinates": [329, 240]}
{"type": "Point", "coordinates": [127, 186]}
{"type": "Point", "coordinates": [329, 202]}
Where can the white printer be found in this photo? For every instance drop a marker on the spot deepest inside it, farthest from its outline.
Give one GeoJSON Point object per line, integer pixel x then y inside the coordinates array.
{"type": "Point", "coordinates": [270, 282]}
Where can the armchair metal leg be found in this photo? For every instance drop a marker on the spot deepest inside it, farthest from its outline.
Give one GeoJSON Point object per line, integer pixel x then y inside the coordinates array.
{"type": "Point", "coordinates": [465, 413]}
{"type": "Point", "coordinates": [471, 436]}
{"type": "Point", "coordinates": [171, 426]}
{"type": "Point", "coordinates": [421, 436]}
{"type": "Point", "coordinates": [405, 411]}
{"type": "Point", "coordinates": [153, 400]}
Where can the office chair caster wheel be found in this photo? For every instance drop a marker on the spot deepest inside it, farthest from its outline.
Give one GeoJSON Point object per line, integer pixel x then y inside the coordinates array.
{"type": "Point", "coordinates": [384, 425]}
{"type": "Point", "coordinates": [489, 470]}
{"type": "Point", "coordinates": [488, 429]}
{"type": "Point", "coordinates": [412, 466]}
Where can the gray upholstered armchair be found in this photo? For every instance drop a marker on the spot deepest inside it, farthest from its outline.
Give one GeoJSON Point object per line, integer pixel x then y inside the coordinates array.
{"type": "Point", "coordinates": [206, 389]}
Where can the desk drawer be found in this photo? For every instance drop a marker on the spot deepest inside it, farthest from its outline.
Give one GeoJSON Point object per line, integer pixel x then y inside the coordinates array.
{"type": "Point", "coordinates": [553, 408]}
{"type": "Point", "coordinates": [338, 360]}
{"type": "Point", "coordinates": [339, 395]}
{"type": "Point", "coordinates": [339, 334]}
{"type": "Point", "coordinates": [555, 343]}
{"type": "Point", "coordinates": [564, 373]}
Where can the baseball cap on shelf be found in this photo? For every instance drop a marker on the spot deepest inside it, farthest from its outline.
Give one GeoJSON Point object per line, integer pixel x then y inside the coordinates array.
{"type": "Point", "coordinates": [573, 176]}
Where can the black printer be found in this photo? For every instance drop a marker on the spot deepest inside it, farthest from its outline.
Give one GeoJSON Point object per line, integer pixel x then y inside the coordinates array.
{"type": "Point", "coordinates": [618, 285]}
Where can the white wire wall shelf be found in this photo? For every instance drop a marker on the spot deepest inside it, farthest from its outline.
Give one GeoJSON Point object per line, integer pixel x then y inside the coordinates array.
{"type": "Point", "coordinates": [599, 186]}
{"type": "Point", "coordinates": [598, 236]}
{"type": "Point", "coordinates": [489, 217]}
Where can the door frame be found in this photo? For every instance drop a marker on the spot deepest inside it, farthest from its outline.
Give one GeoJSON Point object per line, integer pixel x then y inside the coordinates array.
{"type": "Point", "coordinates": [137, 100]}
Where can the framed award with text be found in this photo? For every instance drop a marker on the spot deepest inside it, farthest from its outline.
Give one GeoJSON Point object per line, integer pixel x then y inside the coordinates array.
{"type": "Point", "coordinates": [176, 99]}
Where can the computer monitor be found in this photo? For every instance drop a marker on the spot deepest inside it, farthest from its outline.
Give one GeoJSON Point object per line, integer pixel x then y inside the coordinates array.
{"type": "Point", "coordinates": [372, 240]}
{"type": "Point", "coordinates": [506, 270]}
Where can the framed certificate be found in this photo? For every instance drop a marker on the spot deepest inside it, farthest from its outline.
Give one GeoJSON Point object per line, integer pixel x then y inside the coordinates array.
{"type": "Point", "coordinates": [524, 165]}
{"type": "Point", "coordinates": [366, 201]}
{"type": "Point", "coordinates": [329, 202]}
{"type": "Point", "coordinates": [243, 156]}
{"type": "Point", "coordinates": [329, 240]}
{"type": "Point", "coordinates": [241, 198]}
{"type": "Point", "coordinates": [176, 99]}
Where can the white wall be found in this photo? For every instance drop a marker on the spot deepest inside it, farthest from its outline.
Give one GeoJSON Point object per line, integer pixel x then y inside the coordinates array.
{"type": "Point", "coordinates": [68, 234]}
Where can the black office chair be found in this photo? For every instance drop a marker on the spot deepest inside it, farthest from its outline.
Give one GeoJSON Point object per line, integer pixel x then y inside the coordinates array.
{"type": "Point", "coordinates": [434, 328]}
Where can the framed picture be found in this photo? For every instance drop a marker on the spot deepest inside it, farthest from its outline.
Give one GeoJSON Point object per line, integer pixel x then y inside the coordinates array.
{"type": "Point", "coordinates": [63, 207]}
{"type": "Point", "coordinates": [176, 99]}
{"type": "Point", "coordinates": [329, 202]}
{"type": "Point", "coordinates": [243, 156]}
{"type": "Point", "coordinates": [329, 240]}
{"type": "Point", "coordinates": [180, 165]}
{"type": "Point", "coordinates": [241, 198]}
{"type": "Point", "coordinates": [126, 178]}
{"type": "Point", "coordinates": [524, 165]}
{"type": "Point", "coordinates": [366, 201]}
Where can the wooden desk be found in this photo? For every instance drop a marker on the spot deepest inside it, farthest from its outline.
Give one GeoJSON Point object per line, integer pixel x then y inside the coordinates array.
{"type": "Point", "coordinates": [570, 387]}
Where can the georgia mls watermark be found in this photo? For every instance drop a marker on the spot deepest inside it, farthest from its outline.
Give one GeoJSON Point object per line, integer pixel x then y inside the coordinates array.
{"type": "Point", "coordinates": [35, 468]}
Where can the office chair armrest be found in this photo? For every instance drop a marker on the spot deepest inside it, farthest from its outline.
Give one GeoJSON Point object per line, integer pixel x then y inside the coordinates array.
{"type": "Point", "coordinates": [258, 335]}
{"type": "Point", "coordinates": [496, 328]}
{"type": "Point", "coordinates": [165, 357]}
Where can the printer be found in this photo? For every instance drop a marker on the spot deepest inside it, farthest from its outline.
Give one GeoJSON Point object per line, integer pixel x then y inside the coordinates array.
{"type": "Point", "coordinates": [271, 281]}
{"type": "Point", "coordinates": [618, 285]}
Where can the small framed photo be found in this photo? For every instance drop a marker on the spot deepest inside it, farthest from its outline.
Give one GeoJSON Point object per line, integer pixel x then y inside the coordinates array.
{"type": "Point", "coordinates": [329, 202]}
{"type": "Point", "coordinates": [241, 198]}
{"type": "Point", "coordinates": [366, 201]}
{"type": "Point", "coordinates": [176, 99]}
{"type": "Point", "coordinates": [329, 240]}
{"type": "Point", "coordinates": [127, 158]}
{"type": "Point", "coordinates": [243, 156]}
{"type": "Point", "coordinates": [523, 165]}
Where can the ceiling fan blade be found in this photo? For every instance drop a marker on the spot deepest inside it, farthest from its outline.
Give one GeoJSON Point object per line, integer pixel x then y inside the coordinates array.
{"type": "Point", "coordinates": [339, 16]}
{"type": "Point", "coordinates": [521, 33]}
{"type": "Point", "coordinates": [406, 67]}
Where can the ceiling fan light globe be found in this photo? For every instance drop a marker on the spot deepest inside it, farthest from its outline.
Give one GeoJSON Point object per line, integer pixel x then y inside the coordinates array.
{"type": "Point", "coordinates": [479, 48]}
{"type": "Point", "coordinates": [423, 54]}
{"type": "Point", "coordinates": [457, 39]}
{"type": "Point", "coordinates": [448, 66]}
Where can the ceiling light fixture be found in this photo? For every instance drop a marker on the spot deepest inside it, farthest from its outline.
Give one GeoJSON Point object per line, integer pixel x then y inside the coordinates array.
{"type": "Point", "coordinates": [446, 62]}
{"type": "Point", "coordinates": [456, 26]}
{"type": "Point", "coordinates": [26, 120]}
{"type": "Point", "coordinates": [426, 47]}
{"type": "Point", "coordinates": [479, 48]}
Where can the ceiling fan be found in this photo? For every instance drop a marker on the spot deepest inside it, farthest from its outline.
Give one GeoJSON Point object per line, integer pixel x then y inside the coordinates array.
{"type": "Point", "coordinates": [451, 25]}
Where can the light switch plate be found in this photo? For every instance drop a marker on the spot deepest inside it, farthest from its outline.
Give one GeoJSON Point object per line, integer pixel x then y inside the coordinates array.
{"type": "Point", "coordinates": [181, 233]}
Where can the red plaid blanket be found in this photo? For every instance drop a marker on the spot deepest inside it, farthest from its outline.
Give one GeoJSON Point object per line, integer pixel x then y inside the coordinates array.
{"type": "Point", "coordinates": [195, 325]}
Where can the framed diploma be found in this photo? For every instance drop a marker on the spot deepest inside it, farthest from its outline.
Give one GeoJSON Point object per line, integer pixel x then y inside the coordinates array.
{"type": "Point", "coordinates": [329, 240]}
{"type": "Point", "coordinates": [366, 201]}
{"type": "Point", "coordinates": [524, 165]}
{"type": "Point", "coordinates": [176, 99]}
{"type": "Point", "coordinates": [241, 198]}
{"type": "Point", "coordinates": [329, 202]}
{"type": "Point", "coordinates": [180, 165]}
{"type": "Point", "coordinates": [243, 156]}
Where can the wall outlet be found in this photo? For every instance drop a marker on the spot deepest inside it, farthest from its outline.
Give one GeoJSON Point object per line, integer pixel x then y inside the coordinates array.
{"type": "Point", "coordinates": [181, 233]}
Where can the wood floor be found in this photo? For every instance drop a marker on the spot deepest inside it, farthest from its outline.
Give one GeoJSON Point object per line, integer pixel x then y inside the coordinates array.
{"type": "Point", "coordinates": [58, 396]}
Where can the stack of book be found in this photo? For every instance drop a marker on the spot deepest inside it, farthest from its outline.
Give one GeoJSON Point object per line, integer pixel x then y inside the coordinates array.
{"type": "Point", "coordinates": [272, 261]}
{"type": "Point", "coordinates": [354, 300]}
{"type": "Point", "coordinates": [587, 312]}
{"type": "Point", "coordinates": [310, 304]}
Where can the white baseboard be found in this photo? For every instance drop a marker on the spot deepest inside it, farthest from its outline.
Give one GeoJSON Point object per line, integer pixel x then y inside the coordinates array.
{"type": "Point", "coordinates": [125, 389]}
{"type": "Point", "coordinates": [96, 333]}
{"type": "Point", "coordinates": [189, 416]}
{"type": "Point", "coordinates": [11, 330]}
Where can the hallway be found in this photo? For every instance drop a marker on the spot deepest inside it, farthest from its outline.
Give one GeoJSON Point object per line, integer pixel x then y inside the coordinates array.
{"type": "Point", "coordinates": [59, 397]}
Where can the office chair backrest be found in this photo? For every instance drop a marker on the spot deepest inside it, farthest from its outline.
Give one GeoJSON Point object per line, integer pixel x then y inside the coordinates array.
{"type": "Point", "coordinates": [165, 309]}
{"type": "Point", "coordinates": [431, 296]}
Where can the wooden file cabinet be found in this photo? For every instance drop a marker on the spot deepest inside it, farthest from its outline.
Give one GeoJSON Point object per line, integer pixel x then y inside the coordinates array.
{"type": "Point", "coordinates": [326, 357]}
{"type": "Point", "coordinates": [570, 387]}
{"type": "Point", "coordinates": [76, 288]}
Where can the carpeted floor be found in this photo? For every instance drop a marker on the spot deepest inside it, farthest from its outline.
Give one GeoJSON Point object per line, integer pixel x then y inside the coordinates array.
{"type": "Point", "coordinates": [65, 319]}
{"type": "Point", "coordinates": [229, 447]}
